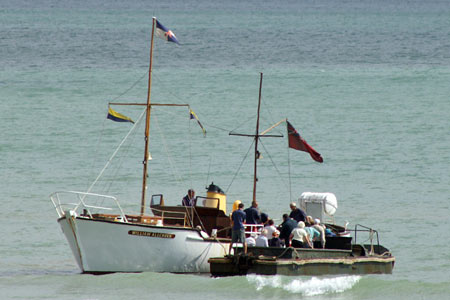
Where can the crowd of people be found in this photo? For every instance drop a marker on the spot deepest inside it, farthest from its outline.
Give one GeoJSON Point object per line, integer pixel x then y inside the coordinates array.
{"type": "Point", "coordinates": [297, 229]}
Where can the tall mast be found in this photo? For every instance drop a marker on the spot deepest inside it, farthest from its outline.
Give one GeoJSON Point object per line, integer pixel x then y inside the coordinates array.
{"type": "Point", "coordinates": [256, 138]}
{"type": "Point", "coordinates": [147, 123]}
{"type": "Point", "coordinates": [255, 178]}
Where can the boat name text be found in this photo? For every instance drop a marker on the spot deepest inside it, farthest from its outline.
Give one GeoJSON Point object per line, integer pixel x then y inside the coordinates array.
{"type": "Point", "coordinates": [152, 234]}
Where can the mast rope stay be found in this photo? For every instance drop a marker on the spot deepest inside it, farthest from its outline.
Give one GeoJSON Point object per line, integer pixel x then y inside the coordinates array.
{"type": "Point", "coordinates": [131, 87]}
{"type": "Point", "coordinates": [190, 150]}
{"type": "Point", "coordinates": [242, 162]}
{"type": "Point", "coordinates": [175, 172]}
{"type": "Point", "coordinates": [111, 158]}
{"type": "Point", "coordinates": [118, 166]}
{"type": "Point", "coordinates": [273, 162]}
{"type": "Point", "coordinates": [99, 140]}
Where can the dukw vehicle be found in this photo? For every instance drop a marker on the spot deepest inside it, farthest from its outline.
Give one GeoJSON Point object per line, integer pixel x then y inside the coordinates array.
{"type": "Point", "coordinates": [342, 253]}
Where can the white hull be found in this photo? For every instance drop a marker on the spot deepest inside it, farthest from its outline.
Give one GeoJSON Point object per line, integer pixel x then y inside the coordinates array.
{"type": "Point", "coordinates": [107, 246]}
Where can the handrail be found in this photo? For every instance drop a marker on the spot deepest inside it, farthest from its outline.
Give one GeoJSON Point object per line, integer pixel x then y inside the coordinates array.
{"type": "Point", "coordinates": [81, 196]}
{"type": "Point", "coordinates": [253, 228]}
{"type": "Point", "coordinates": [371, 231]}
{"type": "Point", "coordinates": [181, 213]}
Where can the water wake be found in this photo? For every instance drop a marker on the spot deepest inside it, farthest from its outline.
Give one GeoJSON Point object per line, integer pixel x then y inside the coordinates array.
{"type": "Point", "coordinates": [307, 286]}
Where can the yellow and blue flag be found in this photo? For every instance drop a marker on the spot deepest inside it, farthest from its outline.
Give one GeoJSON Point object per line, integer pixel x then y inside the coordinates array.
{"type": "Point", "coordinates": [192, 115]}
{"type": "Point", "coordinates": [115, 116]}
{"type": "Point", "coordinates": [165, 33]}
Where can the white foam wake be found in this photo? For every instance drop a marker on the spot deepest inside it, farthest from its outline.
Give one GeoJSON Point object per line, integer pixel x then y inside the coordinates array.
{"type": "Point", "coordinates": [307, 286]}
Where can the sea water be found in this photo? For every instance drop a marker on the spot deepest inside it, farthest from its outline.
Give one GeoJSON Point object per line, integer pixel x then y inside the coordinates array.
{"type": "Point", "coordinates": [366, 83]}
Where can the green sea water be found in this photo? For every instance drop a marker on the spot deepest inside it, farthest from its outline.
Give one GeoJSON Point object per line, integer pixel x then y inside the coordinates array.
{"type": "Point", "coordinates": [366, 83]}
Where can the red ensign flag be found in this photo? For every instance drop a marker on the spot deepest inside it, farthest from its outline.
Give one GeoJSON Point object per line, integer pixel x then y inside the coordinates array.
{"type": "Point", "coordinates": [298, 143]}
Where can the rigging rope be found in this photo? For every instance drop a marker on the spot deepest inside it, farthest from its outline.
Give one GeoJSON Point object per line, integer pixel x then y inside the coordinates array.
{"type": "Point", "coordinates": [242, 162]}
{"type": "Point", "coordinates": [289, 169]}
{"type": "Point", "coordinates": [112, 156]}
{"type": "Point", "coordinates": [274, 165]}
{"type": "Point", "coordinates": [131, 87]}
{"type": "Point", "coordinates": [190, 150]}
{"type": "Point", "coordinates": [118, 166]}
{"type": "Point", "coordinates": [96, 147]}
{"type": "Point", "coordinates": [169, 158]}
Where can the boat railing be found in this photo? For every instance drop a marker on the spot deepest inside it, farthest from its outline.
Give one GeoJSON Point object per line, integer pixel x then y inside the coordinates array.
{"type": "Point", "coordinates": [172, 216]}
{"type": "Point", "coordinates": [253, 229]}
{"type": "Point", "coordinates": [80, 201]}
{"type": "Point", "coordinates": [372, 232]}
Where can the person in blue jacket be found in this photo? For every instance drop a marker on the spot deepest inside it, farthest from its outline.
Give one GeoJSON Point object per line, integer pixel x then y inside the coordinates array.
{"type": "Point", "coordinates": [238, 230]}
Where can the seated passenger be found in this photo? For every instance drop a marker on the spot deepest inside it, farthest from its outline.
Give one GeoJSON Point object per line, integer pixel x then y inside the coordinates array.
{"type": "Point", "coordinates": [251, 242]}
{"type": "Point", "coordinates": [329, 233]}
{"type": "Point", "coordinates": [270, 227]}
{"type": "Point", "coordinates": [261, 240]}
{"type": "Point", "coordinates": [275, 241]}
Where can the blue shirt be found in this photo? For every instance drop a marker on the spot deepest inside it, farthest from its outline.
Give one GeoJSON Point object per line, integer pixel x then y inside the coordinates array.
{"type": "Point", "coordinates": [252, 215]}
{"type": "Point", "coordinates": [313, 233]}
{"type": "Point", "coordinates": [298, 215]}
{"type": "Point", "coordinates": [238, 218]}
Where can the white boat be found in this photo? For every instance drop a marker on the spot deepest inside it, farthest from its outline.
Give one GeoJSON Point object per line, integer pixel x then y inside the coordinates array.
{"type": "Point", "coordinates": [103, 238]}
{"type": "Point", "coordinates": [179, 239]}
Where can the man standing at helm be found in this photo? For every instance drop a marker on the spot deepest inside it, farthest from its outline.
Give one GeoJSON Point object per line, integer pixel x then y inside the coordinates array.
{"type": "Point", "coordinates": [189, 199]}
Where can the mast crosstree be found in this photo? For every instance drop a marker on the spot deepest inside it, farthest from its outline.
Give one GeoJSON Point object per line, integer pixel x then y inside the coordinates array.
{"type": "Point", "coordinates": [256, 138]}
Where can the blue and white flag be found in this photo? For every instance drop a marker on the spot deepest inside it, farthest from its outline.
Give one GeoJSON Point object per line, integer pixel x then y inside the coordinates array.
{"type": "Point", "coordinates": [165, 33]}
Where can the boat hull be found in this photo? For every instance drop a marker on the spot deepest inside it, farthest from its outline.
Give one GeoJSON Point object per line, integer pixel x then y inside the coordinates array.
{"type": "Point", "coordinates": [295, 262]}
{"type": "Point", "coordinates": [106, 246]}
{"type": "Point", "coordinates": [231, 266]}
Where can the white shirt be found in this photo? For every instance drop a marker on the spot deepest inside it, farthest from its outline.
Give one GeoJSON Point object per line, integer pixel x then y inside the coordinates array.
{"type": "Point", "coordinates": [298, 234]}
{"type": "Point", "coordinates": [270, 230]}
{"type": "Point", "coordinates": [250, 241]}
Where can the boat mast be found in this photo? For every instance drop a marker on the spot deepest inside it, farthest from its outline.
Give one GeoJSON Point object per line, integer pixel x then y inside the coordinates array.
{"type": "Point", "coordinates": [147, 122]}
{"type": "Point", "coordinates": [256, 138]}
{"type": "Point", "coordinates": [255, 178]}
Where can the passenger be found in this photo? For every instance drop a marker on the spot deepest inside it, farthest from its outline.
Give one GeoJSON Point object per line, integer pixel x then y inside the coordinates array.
{"type": "Point", "coordinates": [329, 232]}
{"type": "Point", "coordinates": [264, 219]}
{"type": "Point", "coordinates": [314, 234]}
{"type": "Point", "coordinates": [321, 229]}
{"type": "Point", "coordinates": [238, 232]}
{"type": "Point", "coordinates": [261, 240]}
{"type": "Point", "coordinates": [253, 216]}
{"type": "Point", "coordinates": [309, 221]}
{"type": "Point", "coordinates": [296, 213]}
{"type": "Point", "coordinates": [275, 241]}
{"type": "Point", "coordinates": [251, 242]}
{"type": "Point", "coordinates": [286, 228]}
{"type": "Point", "coordinates": [270, 227]}
{"type": "Point", "coordinates": [189, 199]}
{"type": "Point", "coordinates": [300, 238]}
